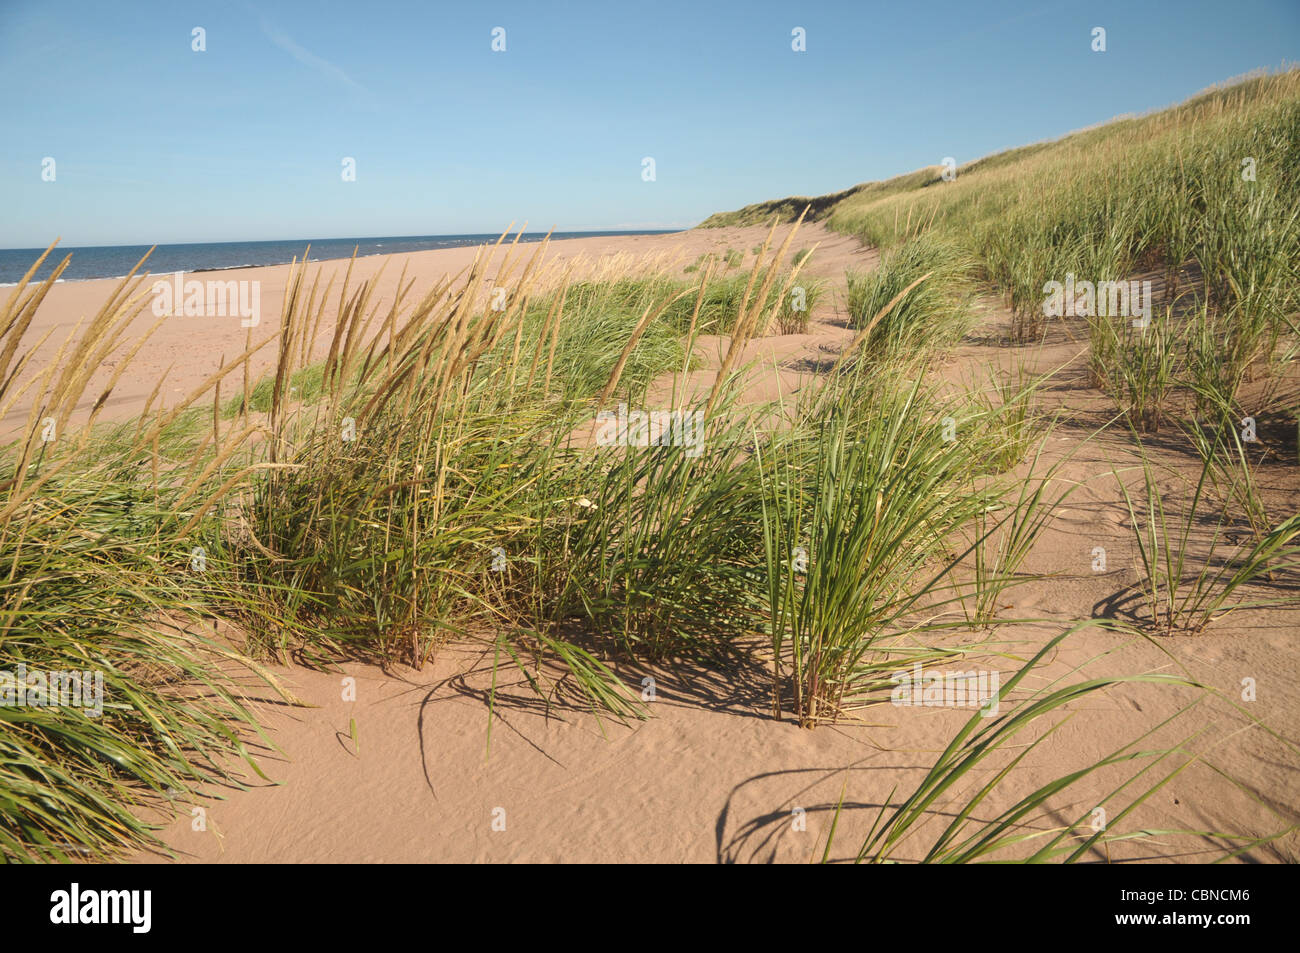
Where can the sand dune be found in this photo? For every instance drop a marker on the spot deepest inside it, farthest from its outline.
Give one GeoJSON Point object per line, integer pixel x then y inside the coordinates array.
{"type": "Point", "coordinates": [711, 776]}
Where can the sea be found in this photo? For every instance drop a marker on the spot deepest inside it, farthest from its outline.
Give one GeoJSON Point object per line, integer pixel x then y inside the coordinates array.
{"type": "Point", "coordinates": [115, 261]}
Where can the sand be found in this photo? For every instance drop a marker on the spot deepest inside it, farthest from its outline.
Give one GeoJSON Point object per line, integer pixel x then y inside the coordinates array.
{"type": "Point", "coordinates": [711, 776]}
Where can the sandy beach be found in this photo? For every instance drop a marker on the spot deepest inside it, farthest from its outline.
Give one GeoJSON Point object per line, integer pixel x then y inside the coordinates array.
{"type": "Point", "coordinates": [187, 350]}
{"type": "Point", "coordinates": [710, 776]}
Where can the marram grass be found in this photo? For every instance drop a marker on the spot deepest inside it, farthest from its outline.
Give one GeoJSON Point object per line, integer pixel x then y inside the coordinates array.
{"type": "Point", "coordinates": [427, 472]}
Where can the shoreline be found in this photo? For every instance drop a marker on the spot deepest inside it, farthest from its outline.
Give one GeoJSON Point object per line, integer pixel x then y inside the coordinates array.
{"type": "Point", "coordinates": [188, 349]}
{"type": "Point", "coordinates": [471, 241]}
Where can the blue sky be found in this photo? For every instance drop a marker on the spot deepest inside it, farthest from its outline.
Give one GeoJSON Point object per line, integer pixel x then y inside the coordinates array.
{"type": "Point", "coordinates": [154, 142]}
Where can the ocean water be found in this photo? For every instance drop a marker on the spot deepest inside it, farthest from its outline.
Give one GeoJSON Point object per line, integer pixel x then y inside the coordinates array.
{"type": "Point", "coordinates": [114, 261]}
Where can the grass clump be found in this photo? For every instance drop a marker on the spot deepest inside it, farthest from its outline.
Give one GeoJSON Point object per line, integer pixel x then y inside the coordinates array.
{"type": "Point", "coordinates": [936, 315]}
{"type": "Point", "coordinates": [129, 705]}
{"type": "Point", "coordinates": [1197, 557]}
